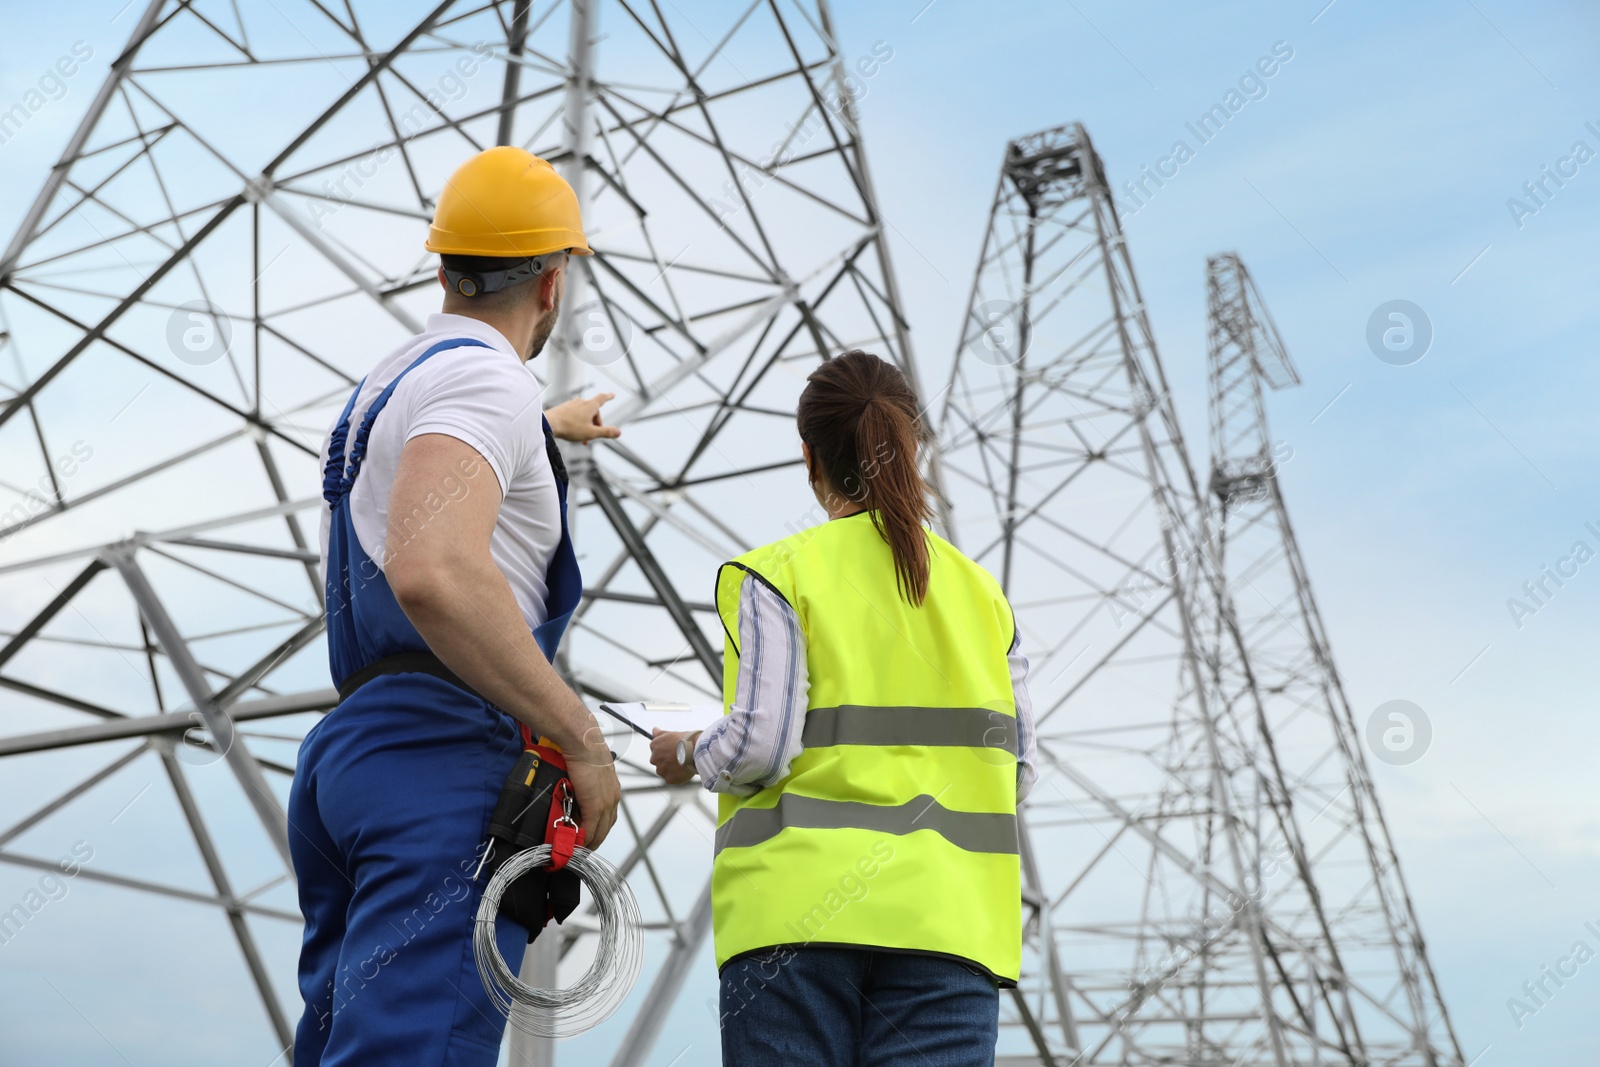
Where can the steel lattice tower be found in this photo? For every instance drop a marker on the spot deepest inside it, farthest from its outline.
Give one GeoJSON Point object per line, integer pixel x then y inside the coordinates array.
{"type": "Point", "coordinates": [233, 236]}
{"type": "Point", "coordinates": [1374, 964]}
{"type": "Point", "coordinates": [1173, 899]}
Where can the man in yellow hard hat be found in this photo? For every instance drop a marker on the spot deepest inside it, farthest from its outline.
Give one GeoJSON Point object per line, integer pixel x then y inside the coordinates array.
{"type": "Point", "coordinates": [450, 576]}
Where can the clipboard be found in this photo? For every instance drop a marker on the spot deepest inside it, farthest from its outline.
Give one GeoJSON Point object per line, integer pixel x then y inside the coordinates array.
{"type": "Point", "coordinates": [643, 717]}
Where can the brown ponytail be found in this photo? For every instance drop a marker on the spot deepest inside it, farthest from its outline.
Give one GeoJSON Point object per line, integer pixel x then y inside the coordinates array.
{"type": "Point", "coordinates": [858, 416]}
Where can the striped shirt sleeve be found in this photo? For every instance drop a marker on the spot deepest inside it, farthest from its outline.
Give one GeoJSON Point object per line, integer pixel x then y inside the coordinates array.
{"type": "Point", "coordinates": [751, 747]}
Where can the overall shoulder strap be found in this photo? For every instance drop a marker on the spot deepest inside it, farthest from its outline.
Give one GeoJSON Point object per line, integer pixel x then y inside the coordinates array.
{"type": "Point", "coordinates": [358, 447]}
{"type": "Point", "coordinates": [333, 470]}
{"type": "Point", "coordinates": [563, 579]}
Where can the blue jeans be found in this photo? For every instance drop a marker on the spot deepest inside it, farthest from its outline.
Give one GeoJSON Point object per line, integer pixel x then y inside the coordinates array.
{"type": "Point", "coordinates": [856, 1007]}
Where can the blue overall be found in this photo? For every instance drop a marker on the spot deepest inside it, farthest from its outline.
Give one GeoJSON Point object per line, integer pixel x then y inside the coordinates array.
{"type": "Point", "coordinates": [390, 804]}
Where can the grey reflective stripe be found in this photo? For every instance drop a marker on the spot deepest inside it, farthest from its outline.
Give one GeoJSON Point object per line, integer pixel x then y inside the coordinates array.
{"type": "Point", "coordinates": [854, 724]}
{"type": "Point", "coordinates": [974, 831]}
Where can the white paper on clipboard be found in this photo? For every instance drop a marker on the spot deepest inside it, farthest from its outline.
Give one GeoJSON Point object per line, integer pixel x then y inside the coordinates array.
{"type": "Point", "coordinates": [664, 715]}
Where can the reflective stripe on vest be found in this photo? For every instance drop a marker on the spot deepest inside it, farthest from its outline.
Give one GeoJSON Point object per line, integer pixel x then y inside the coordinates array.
{"type": "Point", "coordinates": [856, 725]}
{"type": "Point", "coordinates": [974, 831]}
{"type": "Point", "coordinates": [896, 826]}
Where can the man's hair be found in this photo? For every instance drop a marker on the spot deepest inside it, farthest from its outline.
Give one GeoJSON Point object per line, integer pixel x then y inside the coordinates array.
{"type": "Point", "coordinates": [504, 298]}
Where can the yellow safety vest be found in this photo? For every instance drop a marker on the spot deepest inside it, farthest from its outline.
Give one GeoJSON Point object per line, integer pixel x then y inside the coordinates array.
{"type": "Point", "coordinates": [896, 827]}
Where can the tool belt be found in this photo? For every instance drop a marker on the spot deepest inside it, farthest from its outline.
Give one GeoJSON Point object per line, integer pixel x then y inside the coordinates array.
{"type": "Point", "coordinates": [536, 807]}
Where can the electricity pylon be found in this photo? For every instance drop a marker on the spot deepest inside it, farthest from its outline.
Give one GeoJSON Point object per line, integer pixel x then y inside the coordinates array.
{"type": "Point", "coordinates": [1171, 906]}
{"type": "Point", "coordinates": [233, 236]}
{"type": "Point", "coordinates": [1354, 898]}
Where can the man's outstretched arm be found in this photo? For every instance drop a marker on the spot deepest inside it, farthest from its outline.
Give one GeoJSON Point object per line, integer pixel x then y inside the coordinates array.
{"type": "Point", "coordinates": [447, 583]}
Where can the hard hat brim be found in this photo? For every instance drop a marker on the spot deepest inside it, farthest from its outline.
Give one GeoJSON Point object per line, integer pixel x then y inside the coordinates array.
{"type": "Point", "coordinates": [519, 243]}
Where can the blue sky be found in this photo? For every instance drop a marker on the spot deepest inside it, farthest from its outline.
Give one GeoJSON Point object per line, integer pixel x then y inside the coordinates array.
{"type": "Point", "coordinates": [1378, 165]}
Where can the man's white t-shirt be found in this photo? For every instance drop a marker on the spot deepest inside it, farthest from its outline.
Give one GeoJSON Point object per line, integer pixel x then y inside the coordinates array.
{"type": "Point", "coordinates": [488, 398]}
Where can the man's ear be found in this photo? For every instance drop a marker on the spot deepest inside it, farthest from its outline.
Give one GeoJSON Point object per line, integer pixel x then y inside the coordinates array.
{"type": "Point", "coordinates": [442, 283]}
{"type": "Point", "coordinates": [549, 284]}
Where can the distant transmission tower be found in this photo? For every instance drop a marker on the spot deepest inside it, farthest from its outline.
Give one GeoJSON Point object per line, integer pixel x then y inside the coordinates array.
{"type": "Point", "coordinates": [1172, 906]}
{"type": "Point", "coordinates": [1374, 964]}
{"type": "Point", "coordinates": [233, 236]}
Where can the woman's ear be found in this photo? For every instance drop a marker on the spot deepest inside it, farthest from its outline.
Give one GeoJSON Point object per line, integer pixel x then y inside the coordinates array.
{"type": "Point", "coordinates": [805, 453]}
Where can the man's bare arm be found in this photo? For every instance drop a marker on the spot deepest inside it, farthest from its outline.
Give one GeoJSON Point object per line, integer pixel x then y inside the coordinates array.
{"type": "Point", "coordinates": [442, 509]}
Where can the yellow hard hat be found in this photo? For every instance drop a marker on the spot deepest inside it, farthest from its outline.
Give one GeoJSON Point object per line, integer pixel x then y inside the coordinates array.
{"type": "Point", "coordinates": [506, 202]}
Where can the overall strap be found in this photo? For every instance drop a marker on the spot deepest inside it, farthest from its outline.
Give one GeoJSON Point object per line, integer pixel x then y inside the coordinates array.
{"type": "Point", "coordinates": [333, 470]}
{"type": "Point", "coordinates": [358, 448]}
{"type": "Point", "coordinates": [563, 581]}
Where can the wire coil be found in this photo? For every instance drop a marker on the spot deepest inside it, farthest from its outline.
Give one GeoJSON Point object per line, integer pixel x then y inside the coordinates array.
{"type": "Point", "coordinates": [618, 957]}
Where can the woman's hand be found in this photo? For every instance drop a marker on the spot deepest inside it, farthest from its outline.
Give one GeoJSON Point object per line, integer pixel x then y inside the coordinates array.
{"type": "Point", "coordinates": [579, 419]}
{"type": "Point", "coordinates": [664, 754]}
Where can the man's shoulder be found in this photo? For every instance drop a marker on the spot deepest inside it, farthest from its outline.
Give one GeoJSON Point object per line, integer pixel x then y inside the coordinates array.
{"type": "Point", "coordinates": [473, 366]}
{"type": "Point", "coordinates": [483, 396]}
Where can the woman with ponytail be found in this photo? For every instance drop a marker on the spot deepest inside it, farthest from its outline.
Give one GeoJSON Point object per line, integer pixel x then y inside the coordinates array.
{"type": "Point", "coordinates": [866, 886]}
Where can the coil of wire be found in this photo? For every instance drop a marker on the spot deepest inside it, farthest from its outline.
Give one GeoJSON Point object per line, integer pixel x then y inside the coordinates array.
{"type": "Point", "coordinates": [618, 956]}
